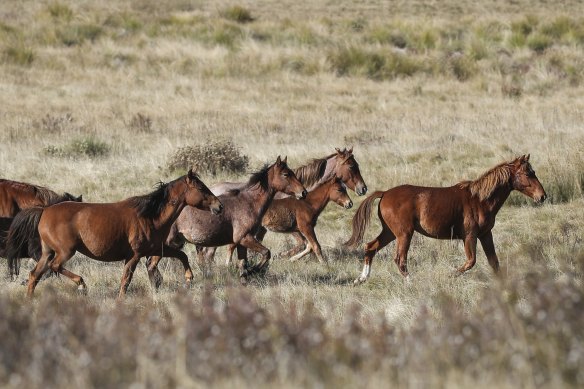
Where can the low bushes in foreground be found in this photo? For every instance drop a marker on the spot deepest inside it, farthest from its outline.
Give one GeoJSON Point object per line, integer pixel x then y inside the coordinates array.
{"type": "Point", "coordinates": [522, 332]}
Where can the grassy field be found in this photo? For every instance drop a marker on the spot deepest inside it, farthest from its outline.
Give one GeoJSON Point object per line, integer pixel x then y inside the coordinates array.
{"type": "Point", "coordinates": [98, 98]}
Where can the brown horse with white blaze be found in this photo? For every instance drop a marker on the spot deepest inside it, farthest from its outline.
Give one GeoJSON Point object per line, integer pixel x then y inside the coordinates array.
{"type": "Point", "coordinates": [126, 230]}
{"type": "Point", "coordinates": [464, 211]}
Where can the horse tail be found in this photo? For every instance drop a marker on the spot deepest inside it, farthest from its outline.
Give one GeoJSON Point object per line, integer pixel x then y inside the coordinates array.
{"type": "Point", "coordinates": [362, 218]}
{"type": "Point", "coordinates": [23, 238]}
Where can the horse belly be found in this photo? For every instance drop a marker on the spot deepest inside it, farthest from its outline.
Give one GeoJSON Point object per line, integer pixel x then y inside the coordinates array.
{"type": "Point", "coordinates": [279, 220]}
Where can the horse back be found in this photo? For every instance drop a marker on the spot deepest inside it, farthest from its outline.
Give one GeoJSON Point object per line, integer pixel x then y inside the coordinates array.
{"type": "Point", "coordinates": [437, 212]}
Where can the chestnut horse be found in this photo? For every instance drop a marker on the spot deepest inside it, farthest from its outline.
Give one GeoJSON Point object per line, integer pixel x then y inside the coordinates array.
{"type": "Point", "coordinates": [242, 215]}
{"type": "Point", "coordinates": [126, 230]}
{"type": "Point", "coordinates": [15, 196]}
{"type": "Point", "coordinates": [464, 211]}
{"type": "Point", "coordinates": [299, 217]}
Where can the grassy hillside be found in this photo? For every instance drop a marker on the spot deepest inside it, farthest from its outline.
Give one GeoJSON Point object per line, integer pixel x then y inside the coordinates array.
{"type": "Point", "coordinates": [101, 99]}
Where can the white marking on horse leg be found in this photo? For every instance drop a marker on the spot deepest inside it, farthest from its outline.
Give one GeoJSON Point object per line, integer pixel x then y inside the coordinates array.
{"type": "Point", "coordinates": [300, 255]}
{"type": "Point", "coordinates": [364, 275]}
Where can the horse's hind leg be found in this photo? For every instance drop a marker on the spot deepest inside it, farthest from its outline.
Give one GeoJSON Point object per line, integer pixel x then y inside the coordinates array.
{"type": "Point", "coordinates": [401, 256]}
{"type": "Point", "coordinates": [250, 242]}
{"type": "Point", "coordinates": [184, 259]}
{"type": "Point", "coordinates": [41, 267]}
{"type": "Point", "coordinates": [371, 248]}
{"type": "Point", "coordinates": [57, 266]}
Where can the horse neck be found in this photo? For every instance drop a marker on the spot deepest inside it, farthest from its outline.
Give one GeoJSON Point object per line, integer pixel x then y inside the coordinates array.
{"type": "Point", "coordinates": [498, 198]}
{"type": "Point", "coordinates": [170, 213]}
{"type": "Point", "coordinates": [259, 198]}
{"type": "Point", "coordinates": [319, 197]}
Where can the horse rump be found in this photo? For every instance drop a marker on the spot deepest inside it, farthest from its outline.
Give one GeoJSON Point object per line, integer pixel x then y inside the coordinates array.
{"type": "Point", "coordinates": [23, 239]}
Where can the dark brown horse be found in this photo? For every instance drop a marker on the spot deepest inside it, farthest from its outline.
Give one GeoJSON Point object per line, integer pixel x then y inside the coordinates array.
{"type": "Point", "coordinates": [242, 215]}
{"type": "Point", "coordinates": [299, 217]}
{"type": "Point", "coordinates": [464, 211]}
{"type": "Point", "coordinates": [341, 164]}
{"type": "Point", "coordinates": [15, 196]}
{"type": "Point", "coordinates": [126, 230]}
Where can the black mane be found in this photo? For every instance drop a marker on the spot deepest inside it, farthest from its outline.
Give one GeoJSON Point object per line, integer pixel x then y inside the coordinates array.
{"type": "Point", "coordinates": [151, 205]}
{"type": "Point", "coordinates": [260, 177]}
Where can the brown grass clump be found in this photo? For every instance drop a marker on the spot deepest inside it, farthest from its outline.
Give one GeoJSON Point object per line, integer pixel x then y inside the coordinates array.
{"type": "Point", "coordinates": [211, 158]}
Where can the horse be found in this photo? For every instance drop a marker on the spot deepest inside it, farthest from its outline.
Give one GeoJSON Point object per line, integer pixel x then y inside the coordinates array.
{"type": "Point", "coordinates": [16, 196]}
{"type": "Point", "coordinates": [464, 211]}
{"type": "Point", "coordinates": [340, 164]}
{"type": "Point", "coordinates": [299, 217]}
{"type": "Point", "coordinates": [242, 215]}
{"type": "Point", "coordinates": [126, 230]}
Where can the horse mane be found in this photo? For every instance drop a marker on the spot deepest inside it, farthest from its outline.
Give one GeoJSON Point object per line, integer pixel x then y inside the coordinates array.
{"type": "Point", "coordinates": [312, 172]}
{"type": "Point", "coordinates": [484, 186]}
{"type": "Point", "coordinates": [152, 204]}
{"type": "Point", "coordinates": [260, 177]}
{"type": "Point", "coordinates": [44, 195]}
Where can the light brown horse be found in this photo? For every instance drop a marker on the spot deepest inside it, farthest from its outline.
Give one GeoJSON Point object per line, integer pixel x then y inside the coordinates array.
{"type": "Point", "coordinates": [15, 196]}
{"type": "Point", "coordinates": [464, 211]}
{"type": "Point", "coordinates": [299, 217]}
{"type": "Point", "coordinates": [242, 215]}
{"type": "Point", "coordinates": [126, 230]}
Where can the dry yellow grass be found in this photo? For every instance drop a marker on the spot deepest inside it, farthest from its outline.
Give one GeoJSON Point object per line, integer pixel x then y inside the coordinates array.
{"type": "Point", "coordinates": [481, 91]}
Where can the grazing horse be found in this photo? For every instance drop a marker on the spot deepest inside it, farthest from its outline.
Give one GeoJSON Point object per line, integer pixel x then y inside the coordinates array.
{"type": "Point", "coordinates": [126, 230]}
{"type": "Point", "coordinates": [464, 211]}
{"type": "Point", "coordinates": [299, 217]}
{"type": "Point", "coordinates": [15, 196]}
{"type": "Point", "coordinates": [242, 215]}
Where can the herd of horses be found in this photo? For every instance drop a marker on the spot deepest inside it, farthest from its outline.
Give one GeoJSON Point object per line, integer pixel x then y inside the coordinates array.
{"type": "Point", "coordinates": [37, 223]}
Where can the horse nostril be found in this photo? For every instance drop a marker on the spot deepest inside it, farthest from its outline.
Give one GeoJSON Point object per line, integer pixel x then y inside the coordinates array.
{"type": "Point", "coordinates": [304, 193]}
{"type": "Point", "coordinates": [364, 190]}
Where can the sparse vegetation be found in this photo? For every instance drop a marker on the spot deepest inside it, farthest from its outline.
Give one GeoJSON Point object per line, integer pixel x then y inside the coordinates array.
{"type": "Point", "coordinates": [107, 98]}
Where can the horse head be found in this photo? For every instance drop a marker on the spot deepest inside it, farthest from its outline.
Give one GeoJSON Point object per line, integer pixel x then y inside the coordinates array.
{"type": "Point", "coordinates": [199, 196]}
{"type": "Point", "coordinates": [282, 179]}
{"type": "Point", "coordinates": [338, 194]}
{"type": "Point", "coordinates": [347, 169]}
{"type": "Point", "coordinates": [525, 181]}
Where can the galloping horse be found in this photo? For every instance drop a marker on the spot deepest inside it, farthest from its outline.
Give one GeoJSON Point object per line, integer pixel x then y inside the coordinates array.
{"type": "Point", "coordinates": [15, 196]}
{"type": "Point", "coordinates": [242, 215]}
{"type": "Point", "coordinates": [126, 230]}
{"type": "Point", "coordinates": [299, 217]}
{"type": "Point", "coordinates": [341, 164]}
{"type": "Point", "coordinates": [464, 211]}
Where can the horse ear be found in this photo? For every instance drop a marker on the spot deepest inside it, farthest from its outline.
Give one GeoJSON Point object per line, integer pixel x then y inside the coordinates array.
{"type": "Point", "coordinates": [527, 158]}
{"type": "Point", "coordinates": [80, 199]}
{"type": "Point", "coordinates": [350, 151]}
{"type": "Point", "coordinates": [191, 175]}
{"type": "Point", "coordinates": [285, 160]}
{"type": "Point", "coordinates": [278, 161]}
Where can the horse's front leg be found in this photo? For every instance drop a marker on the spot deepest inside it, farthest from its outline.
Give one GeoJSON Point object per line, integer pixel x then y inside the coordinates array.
{"type": "Point", "coordinates": [470, 249]}
{"type": "Point", "coordinates": [129, 268]}
{"type": "Point", "coordinates": [250, 242]}
{"type": "Point", "coordinates": [489, 249]}
{"type": "Point", "coordinates": [153, 273]}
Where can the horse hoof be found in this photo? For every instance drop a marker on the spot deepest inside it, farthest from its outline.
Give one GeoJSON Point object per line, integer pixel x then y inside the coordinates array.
{"type": "Point", "coordinates": [358, 281]}
{"type": "Point", "coordinates": [82, 290]}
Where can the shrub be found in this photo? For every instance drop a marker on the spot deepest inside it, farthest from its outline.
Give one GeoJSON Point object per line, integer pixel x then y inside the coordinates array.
{"type": "Point", "coordinates": [85, 147]}
{"type": "Point", "coordinates": [237, 14]}
{"type": "Point", "coordinates": [60, 11]}
{"type": "Point", "coordinates": [461, 66]}
{"type": "Point", "coordinates": [76, 34]}
{"type": "Point", "coordinates": [211, 158]}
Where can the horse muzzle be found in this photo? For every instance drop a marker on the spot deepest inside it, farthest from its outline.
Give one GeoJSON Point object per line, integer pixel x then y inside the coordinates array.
{"type": "Point", "coordinates": [216, 210]}
{"type": "Point", "coordinates": [349, 205]}
{"type": "Point", "coordinates": [541, 198]}
{"type": "Point", "coordinates": [302, 195]}
{"type": "Point", "coordinates": [361, 190]}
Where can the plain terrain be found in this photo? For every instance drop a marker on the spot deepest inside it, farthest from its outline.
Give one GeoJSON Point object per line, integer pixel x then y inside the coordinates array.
{"type": "Point", "coordinates": [97, 97]}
